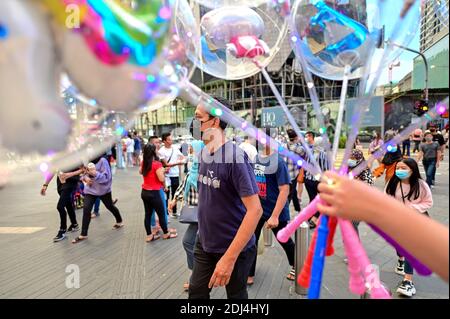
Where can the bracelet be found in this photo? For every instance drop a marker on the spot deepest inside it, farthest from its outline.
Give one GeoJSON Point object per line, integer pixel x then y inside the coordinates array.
{"type": "Point", "coordinates": [46, 185]}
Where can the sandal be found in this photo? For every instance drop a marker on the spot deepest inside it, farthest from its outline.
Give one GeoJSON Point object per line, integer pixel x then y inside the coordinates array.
{"type": "Point", "coordinates": [152, 237]}
{"type": "Point", "coordinates": [291, 275]}
{"type": "Point", "coordinates": [117, 226]}
{"type": "Point", "coordinates": [186, 286]}
{"type": "Point", "coordinates": [170, 235]}
{"type": "Point", "coordinates": [78, 239]}
{"type": "Point", "coordinates": [250, 281]}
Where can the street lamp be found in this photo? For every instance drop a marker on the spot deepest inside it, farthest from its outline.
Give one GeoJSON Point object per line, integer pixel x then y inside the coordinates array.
{"type": "Point", "coordinates": [391, 66]}
{"type": "Point", "coordinates": [425, 62]}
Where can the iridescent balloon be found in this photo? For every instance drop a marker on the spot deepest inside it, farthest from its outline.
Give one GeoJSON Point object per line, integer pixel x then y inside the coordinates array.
{"type": "Point", "coordinates": [32, 115]}
{"type": "Point", "coordinates": [116, 56]}
{"type": "Point", "coordinates": [332, 35]}
{"type": "Point", "coordinates": [212, 4]}
{"type": "Point", "coordinates": [185, 39]}
{"type": "Point", "coordinates": [236, 39]}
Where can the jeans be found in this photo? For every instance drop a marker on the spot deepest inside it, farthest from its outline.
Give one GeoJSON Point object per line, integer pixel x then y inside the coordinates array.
{"type": "Point", "coordinates": [416, 146]}
{"type": "Point", "coordinates": [189, 243]}
{"type": "Point", "coordinates": [89, 202]}
{"type": "Point", "coordinates": [152, 213]}
{"type": "Point", "coordinates": [129, 159]}
{"type": "Point", "coordinates": [174, 183]}
{"type": "Point", "coordinates": [65, 207]}
{"type": "Point", "coordinates": [293, 195]}
{"type": "Point", "coordinates": [408, 268]}
{"type": "Point", "coordinates": [153, 201]}
{"type": "Point", "coordinates": [289, 246]}
{"type": "Point", "coordinates": [430, 170]}
{"type": "Point", "coordinates": [311, 187]}
{"type": "Point", "coordinates": [406, 147]}
{"type": "Point", "coordinates": [97, 207]}
{"type": "Point", "coordinates": [204, 266]}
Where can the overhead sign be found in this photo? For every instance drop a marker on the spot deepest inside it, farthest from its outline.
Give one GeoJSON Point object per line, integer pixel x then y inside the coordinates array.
{"type": "Point", "coordinates": [273, 117]}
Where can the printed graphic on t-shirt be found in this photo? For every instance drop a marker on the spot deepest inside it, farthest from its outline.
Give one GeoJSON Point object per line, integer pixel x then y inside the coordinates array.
{"type": "Point", "coordinates": [261, 180]}
{"type": "Point", "coordinates": [209, 180]}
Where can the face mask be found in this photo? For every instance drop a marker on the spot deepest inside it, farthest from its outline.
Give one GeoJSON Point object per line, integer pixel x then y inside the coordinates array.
{"type": "Point", "coordinates": [195, 130]}
{"type": "Point", "coordinates": [402, 173]}
{"type": "Point", "coordinates": [352, 163]}
{"type": "Point", "coordinates": [429, 138]}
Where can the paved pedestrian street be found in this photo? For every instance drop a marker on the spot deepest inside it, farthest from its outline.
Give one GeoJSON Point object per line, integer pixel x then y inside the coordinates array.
{"type": "Point", "coordinates": [119, 264]}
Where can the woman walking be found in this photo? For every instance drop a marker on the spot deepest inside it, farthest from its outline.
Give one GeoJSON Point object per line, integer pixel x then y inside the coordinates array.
{"type": "Point", "coordinates": [408, 186]}
{"type": "Point", "coordinates": [153, 174]}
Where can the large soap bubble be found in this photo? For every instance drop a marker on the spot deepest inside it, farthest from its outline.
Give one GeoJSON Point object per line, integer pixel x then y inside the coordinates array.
{"type": "Point", "coordinates": [334, 34]}
{"type": "Point", "coordinates": [237, 38]}
{"type": "Point", "coordinates": [94, 131]}
{"type": "Point", "coordinates": [32, 115]}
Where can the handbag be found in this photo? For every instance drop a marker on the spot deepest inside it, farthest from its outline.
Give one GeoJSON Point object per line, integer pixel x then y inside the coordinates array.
{"type": "Point", "coordinates": [261, 244]}
{"type": "Point", "coordinates": [189, 215]}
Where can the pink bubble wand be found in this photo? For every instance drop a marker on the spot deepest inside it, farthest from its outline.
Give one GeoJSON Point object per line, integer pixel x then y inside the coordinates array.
{"type": "Point", "coordinates": [361, 263]}
{"type": "Point", "coordinates": [306, 213]}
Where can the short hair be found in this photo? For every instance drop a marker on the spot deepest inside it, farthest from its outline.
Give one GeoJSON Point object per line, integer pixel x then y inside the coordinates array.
{"type": "Point", "coordinates": [311, 133]}
{"type": "Point", "coordinates": [291, 134]}
{"type": "Point", "coordinates": [427, 133]}
{"type": "Point", "coordinates": [164, 136]}
{"type": "Point", "coordinates": [153, 137]}
{"type": "Point", "coordinates": [246, 138]}
{"type": "Point", "coordinates": [227, 104]}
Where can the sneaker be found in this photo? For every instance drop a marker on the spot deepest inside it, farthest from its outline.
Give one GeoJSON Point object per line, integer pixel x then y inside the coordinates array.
{"type": "Point", "coordinates": [400, 269]}
{"type": "Point", "coordinates": [406, 288]}
{"type": "Point", "coordinates": [60, 236]}
{"type": "Point", "coordinates": [73, 228]}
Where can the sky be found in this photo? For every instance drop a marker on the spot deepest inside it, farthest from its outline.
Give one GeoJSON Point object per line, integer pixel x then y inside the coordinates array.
{"type": "Point", "coordinates": [389, 18]}
{"type": "Point", "coordinates": [406, 63]}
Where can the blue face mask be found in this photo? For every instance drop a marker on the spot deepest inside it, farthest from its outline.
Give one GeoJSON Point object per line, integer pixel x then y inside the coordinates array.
{"type": "Point", "coordinates": [352, 163]}
{"type": "Point", "coordinates": [402, 174]}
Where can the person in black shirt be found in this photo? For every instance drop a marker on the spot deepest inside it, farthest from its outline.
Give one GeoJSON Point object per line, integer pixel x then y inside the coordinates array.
{"type": "Point", "coordinates": [439, 138]}
{"type": "Point", "coordinates": [66, 185]}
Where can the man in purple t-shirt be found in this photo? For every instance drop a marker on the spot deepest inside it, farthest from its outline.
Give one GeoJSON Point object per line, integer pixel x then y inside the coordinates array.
{"type": "Point", "coordinates": [228, 212]}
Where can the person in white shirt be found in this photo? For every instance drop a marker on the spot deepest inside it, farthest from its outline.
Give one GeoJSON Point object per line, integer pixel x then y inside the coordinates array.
{"type": "Point", "coordinates": [249, 149]}
{"type": "Point", "coordinates": [129, 142]}
{"type": "Point", "coordinates": [172, 159]}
